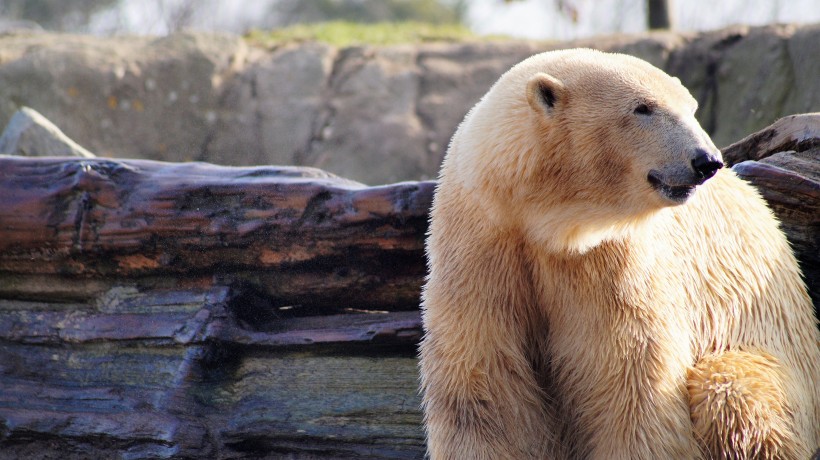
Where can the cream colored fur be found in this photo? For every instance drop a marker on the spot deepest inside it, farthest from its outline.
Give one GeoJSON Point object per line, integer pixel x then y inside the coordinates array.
{"type": "Point", "coordinates": [571, 311]}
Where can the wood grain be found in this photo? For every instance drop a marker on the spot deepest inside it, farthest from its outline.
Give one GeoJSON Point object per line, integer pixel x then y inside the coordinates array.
{"type": "Point", "coordinates": [298, 235]}
{"type": "Point", "coordinates": [792, 133]}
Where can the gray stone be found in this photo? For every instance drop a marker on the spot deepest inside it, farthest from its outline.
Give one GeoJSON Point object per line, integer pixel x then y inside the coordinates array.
{"type": "Point", "coordinates": [696, 65]}
{"type": "Point", "coordinates": [132, 97]}
{"type": "Point", "coordinates": [804, 90]}
{"type": "Point", "coordinates": [374, 93]}
{"type": "Point", "coordinates": [31, 134]}
{"type": "Point", "coordinates": [374, 114]}
{"type": "Point", "coordinates": [754, 79]}
{"type": "Point", "coordinates": [269, 110]}
{"type": "Point", "coordinates": [654, 47]}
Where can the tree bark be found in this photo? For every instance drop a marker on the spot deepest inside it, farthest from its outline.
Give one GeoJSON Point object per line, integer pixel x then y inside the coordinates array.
{"type": "Point", "coordinates": [301, 237]}
{"type": "Point", "coordinates": [797, 133]}
{"type": "Point", "coordinates": [156, 310]}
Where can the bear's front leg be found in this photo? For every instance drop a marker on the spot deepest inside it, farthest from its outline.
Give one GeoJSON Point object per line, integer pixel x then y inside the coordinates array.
{"type": "Point", "coordinates": [481, 400]}
{"type": "Point", "coordinates": [481, 394]}
{"type": "Point", "coordinates": [738, 407]}
{"type": "Point", "coordinates": [481, 356]}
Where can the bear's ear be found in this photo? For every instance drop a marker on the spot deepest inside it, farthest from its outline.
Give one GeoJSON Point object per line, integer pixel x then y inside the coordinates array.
{"type": "Point", "coordinates": [544, 92]}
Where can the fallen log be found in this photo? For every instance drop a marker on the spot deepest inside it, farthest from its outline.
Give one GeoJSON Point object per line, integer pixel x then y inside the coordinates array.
{"type": "Point", "coordinates": [155, 310]}
{"type": "Point", "coordinates": [783, 162]}
{"type": "Point", "coordinates": [790, 183]}
{"type": "Point", "coordinates": [71, 229]}
{"type": "Point", "coordinates": [797, 133]}
{"type": "Point", "coordinates": [167, 374]}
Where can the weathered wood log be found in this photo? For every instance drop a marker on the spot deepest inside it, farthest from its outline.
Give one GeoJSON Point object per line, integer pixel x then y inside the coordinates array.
{"type": "Point", "coordinates": [790, 183]}
{"type": "Point", "coordinates": [154, 310]}
{"type": "Point", "coordinates": [71, 228]}
{"type": "Point", "coordinates": [783, 162]}
{"type": "Point", "coordinates": [793, 133]}
{"type": "Point", "coordinates": [159, 374]}
{"type": "Point", "coordinates": [99, 401]}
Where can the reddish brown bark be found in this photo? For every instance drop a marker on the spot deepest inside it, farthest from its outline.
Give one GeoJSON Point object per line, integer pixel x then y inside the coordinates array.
{"type": "Point", "coordinates": [299, 235]}
{"type": "Point", "coordinates": [793, 133]}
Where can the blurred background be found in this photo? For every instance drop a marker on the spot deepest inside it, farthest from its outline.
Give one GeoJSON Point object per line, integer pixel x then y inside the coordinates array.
{"type": "Point", "coordinates": [534, 19]}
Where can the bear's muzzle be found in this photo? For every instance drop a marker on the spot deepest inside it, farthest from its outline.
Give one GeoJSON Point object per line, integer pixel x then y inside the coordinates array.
{"type": "Point", "coordinates": [677, 183]}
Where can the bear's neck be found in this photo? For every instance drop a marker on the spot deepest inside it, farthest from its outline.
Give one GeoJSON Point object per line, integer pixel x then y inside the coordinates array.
{"type": "Point", "coordinates": [575, 230]}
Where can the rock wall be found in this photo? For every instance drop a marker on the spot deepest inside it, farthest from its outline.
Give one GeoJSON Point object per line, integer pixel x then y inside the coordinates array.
{"type": "Point", "coordinates": [373, 114]}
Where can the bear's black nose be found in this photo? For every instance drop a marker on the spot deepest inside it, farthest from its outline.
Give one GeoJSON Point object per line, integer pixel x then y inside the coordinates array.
{"type": "Point", "coordinates": [705, 164]}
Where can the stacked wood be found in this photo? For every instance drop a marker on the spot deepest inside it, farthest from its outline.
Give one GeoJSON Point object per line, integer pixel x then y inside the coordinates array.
{"type": "Point", "coordinates": [158, 310]}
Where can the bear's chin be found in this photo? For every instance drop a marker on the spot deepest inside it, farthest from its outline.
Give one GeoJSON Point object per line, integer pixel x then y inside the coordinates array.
{"type": "Point", "coordinates": [673, 194]}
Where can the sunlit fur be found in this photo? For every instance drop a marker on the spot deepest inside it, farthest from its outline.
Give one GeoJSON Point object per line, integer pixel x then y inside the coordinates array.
{"type": "Point", "coordinates": [739, 407]}
{"type": "Point", "coordinates": [573, 312]}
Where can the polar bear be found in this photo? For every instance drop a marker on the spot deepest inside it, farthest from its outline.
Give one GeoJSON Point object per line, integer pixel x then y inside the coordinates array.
{"type": "Point", "coordinates": [600, 288]}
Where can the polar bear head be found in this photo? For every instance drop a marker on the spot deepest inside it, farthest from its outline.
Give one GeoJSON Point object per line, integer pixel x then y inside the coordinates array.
{"type": "Point", "coordinates": [578, 146]}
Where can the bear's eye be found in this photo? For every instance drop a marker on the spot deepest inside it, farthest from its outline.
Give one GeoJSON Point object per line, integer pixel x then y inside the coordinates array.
{"type": "Point", "coordinates": [643, 109]}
